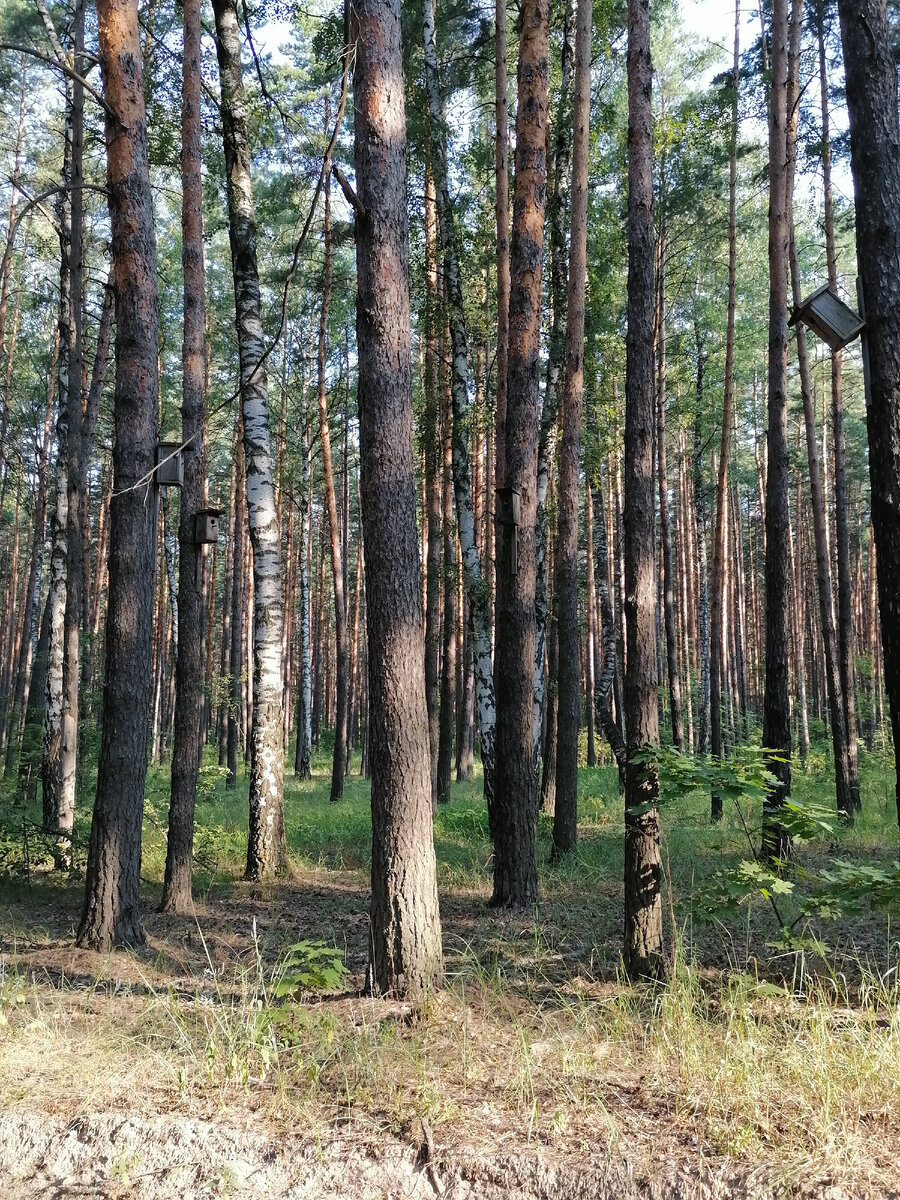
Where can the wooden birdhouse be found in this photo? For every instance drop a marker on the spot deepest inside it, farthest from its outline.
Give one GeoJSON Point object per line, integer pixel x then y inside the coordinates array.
{"type": "Point", "coordinates": [169, 464]}
{"type": "Point", "coordinates": [508, 506]}
{"type": "Point", "coordinates": [829, 317]}
{"type": "Point", "coordinates": [509, 515]}
{"type": "Point", "coordinates": [206, 526]}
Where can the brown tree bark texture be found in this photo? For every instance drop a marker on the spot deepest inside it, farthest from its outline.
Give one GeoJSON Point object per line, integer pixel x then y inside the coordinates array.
{"type": "Point", "coordinates": [111, 911]}
{"type": "Point", "coordinates": [406, 955]}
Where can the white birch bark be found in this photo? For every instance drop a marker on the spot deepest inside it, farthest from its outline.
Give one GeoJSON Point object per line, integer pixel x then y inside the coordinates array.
{"type": "Point", "coordinates": [265, 850]}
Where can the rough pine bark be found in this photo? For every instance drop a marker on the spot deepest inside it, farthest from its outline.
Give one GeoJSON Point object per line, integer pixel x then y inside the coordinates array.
{"type": "Point", "coordinates": [189, 664]}
{"type": "Point", "coordinates": [303, 755]}
{"type": "Point", "coordinates": [432, 479]}
{"type": "Point", "coordinates": [565, 818]}
{"type": "Point", "coordinates": [265, 847]}
{"type": "Point", "coordinates": [111, 913]}
{"type": "Point", "coordinates": [776, 707]}
{"type": "Point", "coordinates": [871, 90]}
{"type": "Point", "coordinates": [642, 950]}
{"type": "Point", "coordinates": [405, 946]}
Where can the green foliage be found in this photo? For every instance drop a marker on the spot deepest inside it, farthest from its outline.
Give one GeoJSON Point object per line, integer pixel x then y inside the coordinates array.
{"type": "Point", "coordinates": [310, 966]}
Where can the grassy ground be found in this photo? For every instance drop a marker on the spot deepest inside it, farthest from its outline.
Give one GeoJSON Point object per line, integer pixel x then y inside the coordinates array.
{"type": "Point", "coordinates": [781, 1061]}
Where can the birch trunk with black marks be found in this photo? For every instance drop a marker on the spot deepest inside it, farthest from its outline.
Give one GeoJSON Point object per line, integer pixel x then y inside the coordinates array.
{"type": "Point", "coordinates": [111, 913]}
{"type": "Point", "coordinates": [265, 847]}
{"type": "Point", "coordinates": [51, 762]}
{"type": "Point", "coordinates": [405, 946]}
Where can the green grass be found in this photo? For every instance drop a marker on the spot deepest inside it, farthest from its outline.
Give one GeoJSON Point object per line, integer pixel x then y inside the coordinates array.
{"type": "Point", "coordinates": [785, 1058]}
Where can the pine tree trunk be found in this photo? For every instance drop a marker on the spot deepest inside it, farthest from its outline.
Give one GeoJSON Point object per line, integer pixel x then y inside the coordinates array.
{"type": "Point", "coordinates": [776, 709]}
{"type": "Point", "coordinates": [447, 715]}
{"type": "Point", "coordinates": [111, 912]}
{"type": "Point", "coordinates": [406, 956]}
{"type": "Point", "coordinates": [515, 863]}
{"type": "Point", "coordinates": [565, 820]}
{"type": "Point", "coordinates": [189, 673]}
{"type": "Point", "coordinates": [665, 528]}
{"type": "Point", "coordinates": [642, 950]}
{"type": "Point", "coordinates": [432, 480]}
{"type": "Point", "coordinates": [303, 757]}
{"type": "Point", "coordinates": [703, 640]}
{"type": "Point", "coordinates": [265, 847]}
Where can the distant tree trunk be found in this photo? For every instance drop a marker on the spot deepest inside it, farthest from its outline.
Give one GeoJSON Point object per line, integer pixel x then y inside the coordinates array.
{"type": "Point", "coordinates": [303, 757]}
{"type": "Point", "coordinates": [591, 653]}
{"type": "Point", "coordinates": [76, 472]}
{"type": "Point", "coordinates": [32, 586]}
{"type": "Point", "coordinates": [236, 625]}
{"type": "Point", "coordinates": [557, 212]}
{"type": "Point", "coordinates": [51, 762]}
{"type": "Point", "coordinates": [406, 957]}
{"type": "Point", "coordinates": [776, 709]}
{"type": "Point", "coordinates": [717, 607]}
{"type": "Point", "coordinates": [265, 847]}
{"type": "Point", "coordinates": [501, 214]}
{"type": "Point", "coordinates": [334, 526]}
{"type": "Point", "coordinates": [606, 676]}
{"type": "Point", "coordinates": [665, 528]}
{"type": "Point", "coordinates": [565, 820]}
{"type": "Point", "coordinates": [475, 576]}
{"type": "Point", "coordinates": [703, 697]}
{"type": "Point", "coordinates": [642, 949]}
{"type": "Point", "coordinates": [111, 913]}
{"type": "Point", "coordinates": [432, 479]}
{"type": "Point", "coordinates": [515, 863]}
{"type": "Point", "coordinates": [189, 672]}
{"type": "Point", "coordinates": [447, 720]}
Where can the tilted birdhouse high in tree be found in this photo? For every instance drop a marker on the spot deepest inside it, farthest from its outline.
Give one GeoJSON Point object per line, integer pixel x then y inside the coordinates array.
{"type": "Point", "coordinates": [827, 315]}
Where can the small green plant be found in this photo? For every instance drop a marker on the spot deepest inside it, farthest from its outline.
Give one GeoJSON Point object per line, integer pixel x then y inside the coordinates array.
{"type": "Point", "coordinates": [310, 966]}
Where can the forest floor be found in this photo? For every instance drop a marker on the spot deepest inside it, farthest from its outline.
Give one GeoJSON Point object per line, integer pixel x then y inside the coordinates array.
{"type": "Point", "coordinates": [182, 1070]}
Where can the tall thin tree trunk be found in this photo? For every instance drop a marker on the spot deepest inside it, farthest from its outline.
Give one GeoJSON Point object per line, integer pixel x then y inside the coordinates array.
{"type": "Point", "coordinates": [717, 606]}
{"type": "Point", "coordinates": [703, 697]}
{"type": "Point", "coordinates": [265, 847]}
{"type": "Point", "coordinates": [334, 525]}
{"type": "Point", "coordinates": [776, 710]}
{"type": "Point", "coordinates": [189, 672]}
{"type": "Point", "coordinates": [515, 862]}
{"type": "Point", "coordinates": [405, 943]}
{"type": "Point", "coordinates": [111, 913]}
{"type": "Point", "coordinates": [642, 949]}
{"type": "Point", "coordinates": [846, 641]}
{"type": "Point", "coordinates": [565, 820]}
{"type": "Point", "coordinates": [474, 575]}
